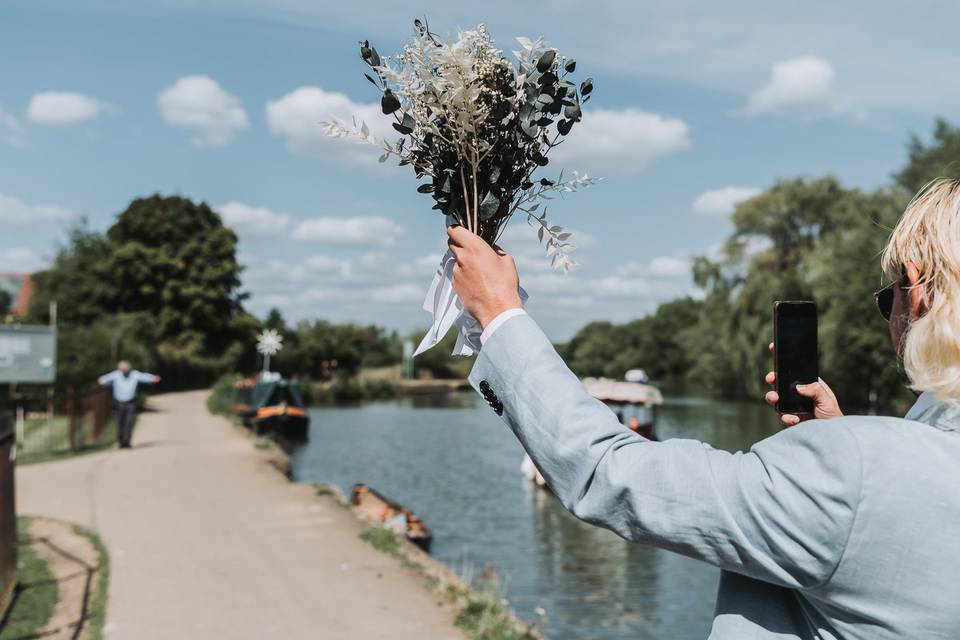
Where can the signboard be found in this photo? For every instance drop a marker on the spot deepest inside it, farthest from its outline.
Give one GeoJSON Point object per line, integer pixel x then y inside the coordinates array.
{"type": "Point", "coordinates": [28, 353]}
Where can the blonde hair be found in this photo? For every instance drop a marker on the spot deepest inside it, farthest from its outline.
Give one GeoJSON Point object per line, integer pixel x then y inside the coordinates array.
{"type": "Point", "coordinates": [928, 234]}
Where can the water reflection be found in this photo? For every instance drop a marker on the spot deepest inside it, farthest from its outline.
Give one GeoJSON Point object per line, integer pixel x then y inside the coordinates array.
{"type": "Point", "coordinates": [456, 465]}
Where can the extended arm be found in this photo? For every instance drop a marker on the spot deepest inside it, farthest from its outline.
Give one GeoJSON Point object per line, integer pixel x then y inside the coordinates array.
{"type": "Point", "coordinates": [780, 512]}
{"type": "Point", "coordinates": [107, 378]}
{"type": "Point", "coordinates": [147, 378]}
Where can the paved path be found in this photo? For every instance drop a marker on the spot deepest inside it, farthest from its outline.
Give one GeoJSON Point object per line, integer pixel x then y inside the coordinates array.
{"type": "Point", "coordinates": [207, 541]}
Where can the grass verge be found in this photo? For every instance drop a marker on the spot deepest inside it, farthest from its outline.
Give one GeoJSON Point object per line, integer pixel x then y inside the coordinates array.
{"type": "Point", "coordinates": [483, 612]}
{"type": "Point", "coordinates": [34, 450]}
{"type": "Point", "coordinates": [97, 612]}
{"type": "Point", "coordinates": [36, 594]}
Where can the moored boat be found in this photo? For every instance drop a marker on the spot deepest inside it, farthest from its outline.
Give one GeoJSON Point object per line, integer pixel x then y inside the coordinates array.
{"type": "Point", "coordinates": [270, 404]}
{"type": "Point", "coordinates": [391, 515]}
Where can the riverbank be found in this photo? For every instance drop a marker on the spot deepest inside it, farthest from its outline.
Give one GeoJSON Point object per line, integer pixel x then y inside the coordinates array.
{"type": "Point", "coordinates": [208, 540]}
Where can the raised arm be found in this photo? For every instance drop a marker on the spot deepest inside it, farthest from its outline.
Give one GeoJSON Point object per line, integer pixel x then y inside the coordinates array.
{"type": "Point", "coordinates": [147, 378]}
{"type": "Point", "coordinates": [780, 512]}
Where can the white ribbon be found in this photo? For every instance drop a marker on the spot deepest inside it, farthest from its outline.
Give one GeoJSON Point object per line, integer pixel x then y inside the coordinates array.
{"type": "Point", "coordinates": [443, 303]}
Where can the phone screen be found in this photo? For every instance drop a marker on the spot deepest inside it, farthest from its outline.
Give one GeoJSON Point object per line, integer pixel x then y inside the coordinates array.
{"type": "Point", "coordinates": [795, 353]}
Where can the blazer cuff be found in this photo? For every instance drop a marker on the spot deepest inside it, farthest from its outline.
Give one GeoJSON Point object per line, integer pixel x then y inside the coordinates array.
{"type": "Point", "coordinates": [495, 324]}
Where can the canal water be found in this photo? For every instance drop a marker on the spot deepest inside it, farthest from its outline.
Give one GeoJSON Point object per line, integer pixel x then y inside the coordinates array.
{"type": "Point", "coordinates": [454, 463]}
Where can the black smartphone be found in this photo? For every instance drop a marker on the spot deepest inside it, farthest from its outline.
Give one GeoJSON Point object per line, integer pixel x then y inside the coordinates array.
{"type": "Point", "coordinates": [795, 353]}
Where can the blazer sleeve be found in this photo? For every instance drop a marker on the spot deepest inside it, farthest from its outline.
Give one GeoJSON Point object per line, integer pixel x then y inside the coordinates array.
{"type": "Point", "coordinates": [781, 512]}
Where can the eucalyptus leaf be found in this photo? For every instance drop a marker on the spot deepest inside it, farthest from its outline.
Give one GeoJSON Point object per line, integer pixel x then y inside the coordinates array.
{"type": "Point", "coordinates": [389, 103]}
{"type": "Point", "coordinates": [564, 126]}
{"type": "Point", "coordinates": [570, 66]}
{"type": "Point", "coordinates": [425, 188]}
{"type": "Point", "coordinates": [572, 112]}
{"type": "Point", "coordinates": [489, 206]}
{"type": "Point", "coordinates": [546, 60]}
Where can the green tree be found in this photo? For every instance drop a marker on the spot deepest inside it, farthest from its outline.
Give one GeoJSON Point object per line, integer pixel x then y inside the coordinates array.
{"type": "Point", "coordinates": [275, 320]}
{"type": "Point", "coordinates": [939, 159]}
{"type": "Point", "coordinates": [801, 239]}
{"type": "Point", "coordinates": [168, 264]}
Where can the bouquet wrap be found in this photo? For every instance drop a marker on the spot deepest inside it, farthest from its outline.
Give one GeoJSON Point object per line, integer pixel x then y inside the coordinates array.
{"type": "Point", "coordinates": [444, 305]}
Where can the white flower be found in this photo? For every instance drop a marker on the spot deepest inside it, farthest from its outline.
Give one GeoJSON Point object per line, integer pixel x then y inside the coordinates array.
{"type": "Point", "coordinates": [269, 342]}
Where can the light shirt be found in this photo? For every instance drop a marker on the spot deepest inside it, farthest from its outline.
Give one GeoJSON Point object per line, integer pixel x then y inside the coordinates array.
{"type": "Point", "coordinates": [125, 386]}
{"type": "Point", "coordinates": [499, 320]}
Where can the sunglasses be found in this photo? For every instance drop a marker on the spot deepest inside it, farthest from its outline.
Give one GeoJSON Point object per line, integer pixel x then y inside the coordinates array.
{"type": "Point", "coordinates": [884, 297]}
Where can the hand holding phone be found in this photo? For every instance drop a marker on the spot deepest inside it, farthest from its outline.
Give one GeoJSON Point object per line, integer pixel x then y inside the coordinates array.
{"type": "Point", "coordinates": [795, 354]}
{"type": "Point", "coordinates": [825, 405]}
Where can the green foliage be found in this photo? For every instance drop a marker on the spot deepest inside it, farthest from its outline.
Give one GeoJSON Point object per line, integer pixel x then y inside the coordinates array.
{"type": "Point", "coordinates": [383, 540]}
{"type": "Point", "coordinates": [655, 343]}
{"type": "Point", "coordinates": [484, 615]}
{"type": "Point", "coordinates": [317, 349]}
{"type": "Point", "coordinates": [160, 288]}
{"type": "Point", "coordinates": [345, 389]}
{"type": "Point", "coordinates": [220, 399]}
{"type": "Point", "coordinates": [439, 362]}
{"type": "Point", "coordinates": [6, 301]}
{"type": "Point", "coordinates": [36, 594]}
{"type": "Point", "coordinates": [939, 159]}
{"type": "Point", "coordinates": [801, 239]}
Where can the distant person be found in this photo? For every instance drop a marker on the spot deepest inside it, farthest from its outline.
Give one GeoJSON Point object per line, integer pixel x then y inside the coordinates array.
{"type": "Point", "coordinates": [838, 528]}
{"type": "Point", "coordinates": [125, 382]}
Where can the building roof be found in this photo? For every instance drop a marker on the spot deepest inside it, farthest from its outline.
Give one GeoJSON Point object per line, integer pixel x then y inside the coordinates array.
{"type": "Point", "coordinates": [616, 392]}
{"type": "Point", "coordinates": [20, 287]}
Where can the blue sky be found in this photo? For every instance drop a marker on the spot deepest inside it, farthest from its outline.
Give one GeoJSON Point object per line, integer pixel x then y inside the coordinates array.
{"type": "Point", "coordinates": [696, 105]}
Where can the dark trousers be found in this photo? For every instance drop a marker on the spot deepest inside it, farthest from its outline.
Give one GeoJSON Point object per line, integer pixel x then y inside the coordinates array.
{"type": "Point", "coordinates": [126, 415]}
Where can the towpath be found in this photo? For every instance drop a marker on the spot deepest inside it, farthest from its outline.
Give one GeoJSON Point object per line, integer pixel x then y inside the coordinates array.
{"type": "Point", "coordinates": [207, 541]}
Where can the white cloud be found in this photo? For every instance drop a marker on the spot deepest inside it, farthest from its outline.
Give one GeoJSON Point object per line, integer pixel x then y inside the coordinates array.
{"type": "Point", "coordinates": [297, 117]}
{"type": "Point", "coordinates": [12, 131]}
{"type": "Point", "coordinates": [357, 231]}
{"type": "Point", "coordinates": [256, 221]}
{"type": "Point", "coordinates": [20, 260]}
{"type": "Point", "coordinates": [429, 262]}
{"type": "Point", "coordinates": [63, 108]}
{"type": "Point", "coordinates": [324, 264]}
{"type": "Point", "coordinates": [199, 104]}
{"type": "Point", "coordinates": [670, 267]}
{"type": "Point", "coordinates": [399, 293]}
{"type": "Point", "coordinates": [17, 213]}
{"type": "Point", "coordinates": [621, 142]}
{"type": "Point", "coordinates": [720, 203]}
{"type": "Point", "coordinates": [802, 86]}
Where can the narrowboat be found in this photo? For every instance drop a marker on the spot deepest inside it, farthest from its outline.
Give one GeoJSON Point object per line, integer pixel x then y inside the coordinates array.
{"type": "Point", "coordinates": [270, 404]}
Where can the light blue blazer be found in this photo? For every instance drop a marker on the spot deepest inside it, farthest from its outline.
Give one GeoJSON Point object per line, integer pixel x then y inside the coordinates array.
{"type": "Point", "coordinates": [847, 528]}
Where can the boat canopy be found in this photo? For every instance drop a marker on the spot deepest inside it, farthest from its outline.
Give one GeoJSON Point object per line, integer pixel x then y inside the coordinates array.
{"type": "Point", "coordinates": [616, 392]}
{"type": "Point", "coordinates": [274, 393]}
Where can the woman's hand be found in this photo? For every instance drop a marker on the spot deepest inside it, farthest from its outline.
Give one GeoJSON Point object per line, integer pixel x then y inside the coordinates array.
{"type": "Point", "coordinates": [825, 403]}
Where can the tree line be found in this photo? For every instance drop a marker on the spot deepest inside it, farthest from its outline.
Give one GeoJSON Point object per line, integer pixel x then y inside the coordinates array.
{"type": "Point", "coordinates": [162, 288]}
{"type": "Point", "coordinates": [802, 238]}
